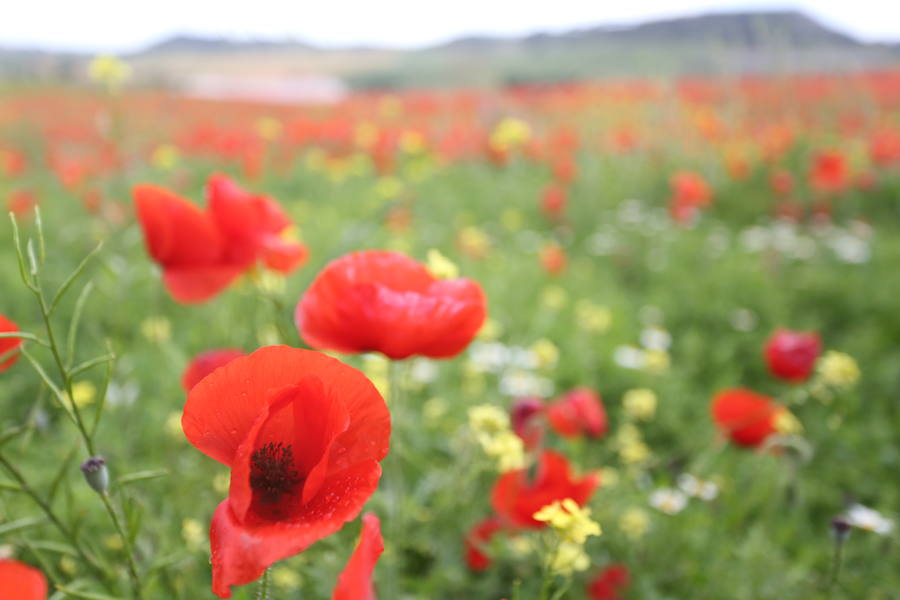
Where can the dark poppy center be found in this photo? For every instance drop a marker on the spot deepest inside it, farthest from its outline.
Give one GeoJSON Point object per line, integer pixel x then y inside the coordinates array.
{"type": "Point", "coordinates": [272, 472]}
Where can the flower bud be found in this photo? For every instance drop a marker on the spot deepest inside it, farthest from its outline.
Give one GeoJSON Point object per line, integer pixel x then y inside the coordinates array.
{"type": "Point", "coordinates": [840, 528]}
{"type": "Point", "coordinates": [95, 473]}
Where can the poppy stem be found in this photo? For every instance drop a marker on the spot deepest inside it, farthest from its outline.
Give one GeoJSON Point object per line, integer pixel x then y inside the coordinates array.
{"type": "Point", "coordinates": [395, 476]}
{"type": "Point", "coordinates": [262, 592]}
{"type": "Point", "coordinates": [836, 562]}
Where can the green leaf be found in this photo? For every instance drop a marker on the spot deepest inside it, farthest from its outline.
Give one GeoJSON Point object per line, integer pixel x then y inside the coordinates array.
{"type": "Point", "coordinates": [20, 524]}
{"type": "Point", "coordinates": [76, 319]}
{"type": "Point", "coordinates": [73, 277]}
{"type": "Point", "coordinates": [141, 476]}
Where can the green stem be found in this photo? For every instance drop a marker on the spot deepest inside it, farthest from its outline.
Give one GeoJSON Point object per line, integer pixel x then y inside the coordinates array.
{"type": "Point", "coordinates": [262, 592]}
{"type": "Point", "coordinates": [133, 574]}
{"type": "Point", "coordinates": [836, 562]}
{"type": "Point", "coordinates": [395, 474]}
{"type": "Point", "coordinates": [57, 522]}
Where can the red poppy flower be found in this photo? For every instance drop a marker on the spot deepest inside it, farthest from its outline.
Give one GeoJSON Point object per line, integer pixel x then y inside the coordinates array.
{"type": "Point", "coordinates": [690, 189]}
{"type": "Point", "coordinates": [355, 581]}
{"type": "Point", "coordinates": [746, 417]}
{"type": "Point", "coordinates": [480, 534]}
{"type": "Point", "coordinates": [252, 225]}
{"type": "Point", "coordinates": [205, 363]}
{"type": "Point", "coordinates": [526, 422]}
{"type": "Point", "coordinates": [553, 201]}
{"type": "Point", "coordinates": [387, 302]}
{"type": "Point", "coordinates": [579, 412]}
{"type": "Point", "coordinates": [609, 582]}
{"type": "Point", "coordinates": [516, 498]}
{"type": "Point", "coordinates": [18, 581]}
{"type": "Point", "coordinates": [303, 434]}
{"type": "Point", "coordinates": [202, 252]}
{"type": "Point", "coordinates": [791, 355]}
{"type": "Point", "coordinates": [186, 243]}
{"type": "Point", "coordinates": [830, 171]}
{"type": "Point", "coordinates": [8, 346]}
{"type": "Point", "coordinates": [553, 258]}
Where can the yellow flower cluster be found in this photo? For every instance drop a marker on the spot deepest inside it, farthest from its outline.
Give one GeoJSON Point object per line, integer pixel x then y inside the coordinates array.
{"type": "Point", "coordinates": [491, 428]}
{"type": "Point", "coordinates": [592, 317]}
{"type": "Point", "coordinates": [510, 133]}
{"type": "Point", "coordinates": [838, 369]}
{"type": "Point", "coordinates": [546, 352]}
{"type": "Point", "coordinates": [640, 404]}
{"type": "Point", "coordinates": [573, 525]}
{"type": "Point", "coordinates": [786, 423]}
{"type": "Point", "coordinates": [632, 449]}
{"type": "Point", "coordinates": [109, 70]}
{"type": "Point", "coordinates": [156, 329]}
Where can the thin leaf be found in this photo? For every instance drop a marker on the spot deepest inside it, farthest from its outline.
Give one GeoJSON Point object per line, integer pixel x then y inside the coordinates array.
{"type": "Point", "coordinates": [141, 476]}
{"type": "Point", "coordinates": [39, 223]}
{"type": "Point", "coordinates": [20, 524]}
{"type": "Point", "coordinates": [76, 319]}
{"type": "Point", "coordinates": [88, 364]}
{"type": "Point", "coordinates": [60, 398]}
{"type": "Point", "coordinates": [86, 595]}
{"type": "Point", "coordinates": [12, 432]}
{"type": "Point", "coordinates": [32, 259]}
{"type": "Point", "coordinates": [57, 547]}
{"type": "Point", "coordinates": [25, 336]}
{"type": "Point", "coordinates": [61, 473]}
{"type": "Point", "coordinates": [8, 486]}
{"type": "Point", "coordinates": [73, 276]}
{"type": "Point", "coordinates": [104, 390]}
{"type": "Point", "coordinates": [17, 242]}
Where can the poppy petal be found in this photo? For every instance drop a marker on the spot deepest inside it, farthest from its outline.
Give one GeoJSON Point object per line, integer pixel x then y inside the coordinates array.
{"type": "Point", "coordinates": [240, 552]}
{"type": "Point", "coordinates": [355, 581]}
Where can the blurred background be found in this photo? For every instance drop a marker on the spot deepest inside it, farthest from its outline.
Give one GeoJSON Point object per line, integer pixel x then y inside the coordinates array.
{"type": "Point", "coordinates": [290, 52]}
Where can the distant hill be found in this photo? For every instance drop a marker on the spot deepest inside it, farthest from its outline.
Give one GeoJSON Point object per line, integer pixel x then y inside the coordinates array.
{"type": "Point", "coordinates": [705, 44]}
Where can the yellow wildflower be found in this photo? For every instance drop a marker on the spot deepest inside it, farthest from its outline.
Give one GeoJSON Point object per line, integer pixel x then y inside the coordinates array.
{"type": "Point", "coordinates": [83, 393]}
{"type": "Point", "coordinates": [572, 522]}
{"type": "Point", "coordinates": [286, 579]}
{"type": "Point", "coordinates": [554, 297]}
{"type": "Point", "coordinates": [634, 523]}
{"type": "Point", "coordinates": [640, 404]}
{"type": "Point", "coordinates": [787, 423]}
{"type": "Point", "coordinates": [568, 558]}
{"type": "Point", "coordinates": [440, 266]}
{"type": "Point", "coordinates": [109, 70]}
{"type": "Point", "coordinates": [268, 128]}
{"type": "Point", "coordinates": [193, 534]}
{"type": "Point", "coordinates": [838, 369]}
{"type": "Point", "coordinates": [165, 157]}
{"type": "Point", "coordinates": [156, 329]}
{"type": "Point", "coordinates": [546, 352]}
{"type": "Point", "coordinates": [592, 317]}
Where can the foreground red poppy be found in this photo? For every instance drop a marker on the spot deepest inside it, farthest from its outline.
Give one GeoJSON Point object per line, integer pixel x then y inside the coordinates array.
{"type": "Point", "coordinates": [303, 434]}
{"type": "Point", "coordinates": [579, 412]}
{"type": "Point", "coordinates": [202, 252]}
{"type": "Point", "coordinates": [8, 346]}
{"type": "Point", "coordinates": [18, 581]}
{"type": "Point", "coordinates": [205, 363]}
{"type": "Point", "coordinates": [791, 355]}
{"type": "Point", "coordinates": [379, 301]}
{"type": "Point", "coordinates": [516, 498]}
{"type": "Point", "coordinates": [355, 581]}
{"type": "Point", "coordinates": [746, 417]}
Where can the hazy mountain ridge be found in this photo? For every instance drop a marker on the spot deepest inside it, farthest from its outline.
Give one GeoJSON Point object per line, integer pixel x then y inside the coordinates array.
{"type": "Point", "coordinates": [713, 43]}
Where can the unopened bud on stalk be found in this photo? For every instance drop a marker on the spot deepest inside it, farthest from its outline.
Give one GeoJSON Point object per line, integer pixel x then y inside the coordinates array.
{"type": "Point", "coordinates": [95, 473]}
{"type": "Point", "coordinates": [840, 529]}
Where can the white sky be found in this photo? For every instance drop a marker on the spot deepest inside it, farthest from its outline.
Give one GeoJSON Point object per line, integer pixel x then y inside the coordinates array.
{"type": "Point", "coordinates": [124, 25]}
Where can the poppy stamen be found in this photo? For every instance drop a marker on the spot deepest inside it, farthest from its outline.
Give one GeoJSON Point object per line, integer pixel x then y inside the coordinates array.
{"type": "Point", "coordinates": [272, 472]}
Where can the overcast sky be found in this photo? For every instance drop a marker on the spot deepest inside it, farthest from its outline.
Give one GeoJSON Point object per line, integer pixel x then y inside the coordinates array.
{"type": "Point", "coordinates": [123, 25]}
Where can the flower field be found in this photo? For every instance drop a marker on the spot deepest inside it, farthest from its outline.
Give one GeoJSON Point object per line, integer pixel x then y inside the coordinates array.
{"type": "Point", "coordinates": [594, 341]}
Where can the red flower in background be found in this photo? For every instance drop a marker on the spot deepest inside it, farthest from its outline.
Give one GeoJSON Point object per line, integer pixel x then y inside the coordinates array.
{"type": "Point", "coordinates": [553, 258]}
{"type": "Point", "coordinates": [8, 345]}
{"type": "Point", "coordinates": [477, 538]}
{"type": "Point", "coordinates": [609, 582]}
{"type": "Point", "coordinates": [526, 420]}
{"type": "Point", "coordinates": [387, 302]}
{"type": "Point", "coordinates": [746, 417]}
{"type": "Point", "coordinates": [690, 193]}
{"type": "Point", "coordinates": [553, 201]}
{"type": "Point", "coordinates": [791, 355]}
{"type": "Point", "coordinates": [516, 498]}
{"type": "Point", "coordinates": [202, 252]}
{"type": "Point", "coordinates": [21, 202]}
{"type": "Point", "coordinates": [355, 581]}
{"type": "Point", "coordinates": [578, 412]}
{"type": "Point", "coordinates": [303, 434]}
{"type": "Point", "coordinates": [19, 581]}
{"type": "Point", "coordinates": [205, 363]}
{"type": "Point", "coordinates": [252, 225]}
{"type": "Point", "coordinates": [830, 172]}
